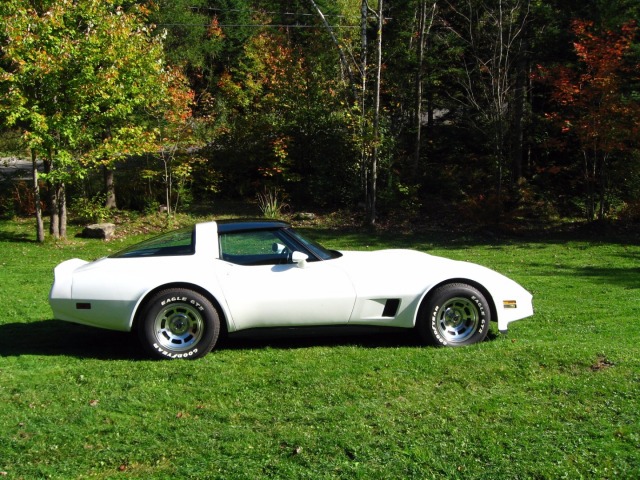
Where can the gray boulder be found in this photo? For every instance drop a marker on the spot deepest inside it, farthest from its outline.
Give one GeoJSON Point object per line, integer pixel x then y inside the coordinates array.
{"type": "Point", "coordinates": [99, 230]}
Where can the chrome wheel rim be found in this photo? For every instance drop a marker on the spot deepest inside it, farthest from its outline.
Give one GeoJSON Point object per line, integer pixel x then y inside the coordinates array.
{"type": "Point", "coordinates": [458, 319]}
{"type": "Point", "coordinates": [178, 327]}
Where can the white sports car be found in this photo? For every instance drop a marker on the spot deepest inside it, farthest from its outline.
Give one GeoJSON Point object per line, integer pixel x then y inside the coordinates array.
{"type": "Point", "coordinates": [181, 289]}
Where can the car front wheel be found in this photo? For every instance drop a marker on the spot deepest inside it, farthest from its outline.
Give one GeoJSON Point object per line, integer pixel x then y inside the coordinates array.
{"type": "Point", "coordinates": [455, 315]}
{"type": "Point", "coordinates": [179, 323]}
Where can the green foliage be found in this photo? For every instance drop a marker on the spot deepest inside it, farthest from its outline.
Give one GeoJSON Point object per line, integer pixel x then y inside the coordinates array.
{"type": "Point", "coordinates": [11, 144]}
{"type": "Point", "coordinates": [556, 397]}
{"type": "Point", "coordinates": [87, 84]}
{"type": "Point", "coordinates": [92, 210]}
{"type": "Point", "coordinates": [71, 72]}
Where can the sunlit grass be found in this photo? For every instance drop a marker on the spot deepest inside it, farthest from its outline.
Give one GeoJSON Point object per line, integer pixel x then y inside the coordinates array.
{"type": "Point", "coordinates": [557, 397]}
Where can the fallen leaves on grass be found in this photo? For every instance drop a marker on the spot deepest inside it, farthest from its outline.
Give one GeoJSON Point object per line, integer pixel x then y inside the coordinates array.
{"type": "Point", "coordinates": [601, 363]}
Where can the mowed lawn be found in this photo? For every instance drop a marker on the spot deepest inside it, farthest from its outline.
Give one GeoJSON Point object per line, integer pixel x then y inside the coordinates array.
{"type": "Point", "coordinates": [558, 397]}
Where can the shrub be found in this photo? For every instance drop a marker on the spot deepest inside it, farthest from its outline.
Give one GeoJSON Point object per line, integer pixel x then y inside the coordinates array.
{"type": "Point", "coordinates": [85, 210]}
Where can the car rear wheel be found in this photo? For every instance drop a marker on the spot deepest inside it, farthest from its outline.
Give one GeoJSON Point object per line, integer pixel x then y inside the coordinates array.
{"type": "Point", "coordinates": [179, 323]}
{"type": "Point", "coordinates": [455, 315]}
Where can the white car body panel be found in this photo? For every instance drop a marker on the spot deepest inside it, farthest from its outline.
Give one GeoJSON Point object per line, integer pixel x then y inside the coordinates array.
{"type": "Point", "coordinates": [352, 289]}
{"type": "Point", "coordinates": [286, 295]}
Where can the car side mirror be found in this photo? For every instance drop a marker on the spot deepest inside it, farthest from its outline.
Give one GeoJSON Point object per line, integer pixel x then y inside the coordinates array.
{"type": "Point", "coordinates": [299, 258]}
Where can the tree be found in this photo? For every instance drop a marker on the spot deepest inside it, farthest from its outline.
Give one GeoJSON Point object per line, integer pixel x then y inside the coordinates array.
{"type": "Point", "coordinates": [177, 135]}
{"type": "Point", "coordinates": [372, 192]}
{"type": "Point", "coordinates": [86, 83]}
{"type": "Point", "coordinates": [492, 35]}
{"type": "Point", "coordinates": [594, 106]}
{"type": "Point", "coordinates": [426, 16]}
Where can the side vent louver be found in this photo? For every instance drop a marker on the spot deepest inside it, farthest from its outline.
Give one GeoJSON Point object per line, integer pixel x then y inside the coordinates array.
{"type": "Point", "coordinates": [391, 307]}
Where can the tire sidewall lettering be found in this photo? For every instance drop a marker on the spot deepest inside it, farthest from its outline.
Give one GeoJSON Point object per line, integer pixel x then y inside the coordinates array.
{"type": "Point", "coordinates": [197, 305]}
{"type": "Point", "coordinates": [173, 355]}
{"type": "Point", "coordinates": [191, 301]}
{"type": "Point", "coordinates": [172, 300]}
{"type": "Point", "coordinates": [434, 328]}
{"type": "Point", "coordinates": [480, 305]}
{"type": "Point", "coordinates": [483, 317]}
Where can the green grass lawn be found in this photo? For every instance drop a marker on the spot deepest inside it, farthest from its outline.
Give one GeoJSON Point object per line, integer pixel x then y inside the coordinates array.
{"type": "Point", "coordinates": [555, 398]}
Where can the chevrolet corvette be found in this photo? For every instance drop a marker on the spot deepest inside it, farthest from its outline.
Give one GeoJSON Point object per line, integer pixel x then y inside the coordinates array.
{"type": "Point", "coordinates": [181, 290]}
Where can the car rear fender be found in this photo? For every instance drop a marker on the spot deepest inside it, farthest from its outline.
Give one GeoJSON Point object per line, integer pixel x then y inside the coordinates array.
{"type": "Point", "coordinates": [225, 318]}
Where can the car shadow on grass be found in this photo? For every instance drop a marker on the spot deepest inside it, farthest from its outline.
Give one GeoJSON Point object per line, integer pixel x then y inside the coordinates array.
{"type": "Point", "coordinates": [292, 338]}
{"type": "Point", "coordinates": [57, 338]}
{"type": "Point", "coordinates": [303, 337]}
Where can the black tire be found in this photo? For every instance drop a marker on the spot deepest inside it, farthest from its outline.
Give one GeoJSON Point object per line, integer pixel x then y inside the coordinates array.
{"type": "Point", "coordinates": [455, 315]}
{"type": "Point", "coordinates": [178, 323]}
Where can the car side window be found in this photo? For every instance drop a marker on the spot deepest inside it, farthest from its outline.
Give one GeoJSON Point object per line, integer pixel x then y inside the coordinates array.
{"type": "Point", "coordinates": [178, 242]}
{"type": "Point", "coordinates": [261, 247]}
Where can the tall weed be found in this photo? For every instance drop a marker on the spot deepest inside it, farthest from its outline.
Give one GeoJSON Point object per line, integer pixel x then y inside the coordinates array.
{"type": "Point", "coordinates": [272, 202]}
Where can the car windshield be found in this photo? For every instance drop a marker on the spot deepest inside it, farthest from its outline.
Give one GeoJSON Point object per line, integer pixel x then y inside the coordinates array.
{"type": "Point", "coordinates": [315, 248]}
{"type": "Point", "coordinates": [178, 242]}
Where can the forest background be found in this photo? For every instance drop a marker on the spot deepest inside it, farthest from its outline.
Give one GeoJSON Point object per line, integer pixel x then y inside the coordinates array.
{"type": "Point", "coordinates": [501, 112]}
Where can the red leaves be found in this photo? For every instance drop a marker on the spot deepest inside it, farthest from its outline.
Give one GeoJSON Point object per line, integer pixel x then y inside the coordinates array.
{"type": "Point", "coordinates": [214, 30]}
{"type": "Point", "coordinates": [593, 108]}
{"type": "Point", "coordinates": [590, 95]}
{"type": "Point", "coordinates": [602, 55]}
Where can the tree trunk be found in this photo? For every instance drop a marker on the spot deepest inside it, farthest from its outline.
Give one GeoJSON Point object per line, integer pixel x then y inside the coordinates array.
{"type": "Point", "coordinates": [518, 131]}
{"type": "Point", "coordinates": [520, 87]}
{"type": "Point", "coordinates": [168, 183]}
{"type": "Point", "coordinates": [603, 188]}
{"type": "Point", "coordinates": [589, 176]}
{"type": "Point", "coordinates": [423, 34]}
{"type": "Point", "coordinates": [371, 217]}
{"type": "Point", "coordinates": [62, 210]}
{"type": "Point", "coordinates": [422, 20]}
{"type": "Point", "coordinates": [364, 157]}
{"type": "Point", "coordinates": [36, 198]}
{"type": "Point", "coordinates": [54, 219]}
{"type": "Point", "coordinates": [109, 187]}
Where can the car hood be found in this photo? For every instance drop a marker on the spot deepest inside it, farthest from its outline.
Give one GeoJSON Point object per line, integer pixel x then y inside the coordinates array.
{"type": "Point", "coordinates": [397, 260]}
{"type": "Point", "coordinates": [411, 270]}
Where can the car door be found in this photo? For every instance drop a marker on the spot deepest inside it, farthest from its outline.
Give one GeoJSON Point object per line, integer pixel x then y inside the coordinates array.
{"type": "Point", "coordinates": [264, 288]}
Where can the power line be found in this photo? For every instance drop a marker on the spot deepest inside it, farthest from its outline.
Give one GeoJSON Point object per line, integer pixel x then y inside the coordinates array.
{"type": "Point", "coordinates": [236, 10]}
{"type": "Point", "coordinates": [252, 25]}
{"type": "Point", "coordinates": [258, 25]}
